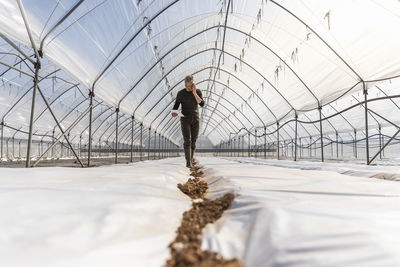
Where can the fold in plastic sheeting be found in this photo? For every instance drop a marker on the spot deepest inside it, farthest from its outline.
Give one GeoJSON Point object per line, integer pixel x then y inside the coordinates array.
{"type": "Point", "coordinates": [284, 217]}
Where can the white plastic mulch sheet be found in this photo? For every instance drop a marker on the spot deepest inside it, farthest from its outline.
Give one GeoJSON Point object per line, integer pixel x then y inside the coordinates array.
{"type": "Point", "coordinates": [121, 215]}
{"type": "Point", "coordinates": [293, 217]}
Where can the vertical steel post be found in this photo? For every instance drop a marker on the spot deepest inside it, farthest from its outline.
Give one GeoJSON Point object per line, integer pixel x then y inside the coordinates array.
{"type": "Point", "coordinates": [19, 149]}
{"type": "Point", "coordinates": [380, 142]}
{"type": "Point", "coordinates": [255, 143]}
{"type": "Point", "coordinates": [116, 134]}
{"type": "Point", "coordinates": [337, 145]}
{"type": "Point", "coordinates": [80, 145]}
{"type": "Point", "coordinates": [320, 132]}
{"type": "Point", "coordinates": [148, 143]}
{"type": "Point", "coordinates": [52, 142]}
{"type": "Point", "coordinates": [141, 140]}
{"type": "Point", "coordinates": [277, 139]}
{"type": "Point", "coordinates": [1, 139]}
{"type": "Point", "coordinates": [295, 138]}
{"type": "Point", "coordinates": [35, 81]}
{"type": "Point", "coordinates": [265, 142]}
{"type": "Point", "coordinates": [159, 146]}
{"type": "Point", "coordinates": [248, 153]}
{"type": "Point", "coordinates": [13, 147]}
{"type": "Point", "coordinates": [301, 148]}
{"type": "Point", "coordinates": [133, 121]}
{"type": "Point", "coordinates": [355, 143]}
{"type": "Point", "coordinates": [154, 144]}
{"type": "Point", "coordinates": [91, 95]}
{"type": "Point", "coordinates": [365, 91]}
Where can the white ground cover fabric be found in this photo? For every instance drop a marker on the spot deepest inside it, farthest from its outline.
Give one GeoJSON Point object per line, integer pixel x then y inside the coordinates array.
{"type": "Point", "coordinates": [294, 217]}
{"type": "Point", "coordinates": [120, 215]}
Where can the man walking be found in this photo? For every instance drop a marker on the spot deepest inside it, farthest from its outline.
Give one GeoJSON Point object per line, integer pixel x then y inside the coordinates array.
{"type": "Point", "coordinates": [190, 98]}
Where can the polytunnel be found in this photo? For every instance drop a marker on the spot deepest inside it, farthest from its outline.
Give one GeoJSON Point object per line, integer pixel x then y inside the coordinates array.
{"type": "Point", "coordinates": [306, 85]}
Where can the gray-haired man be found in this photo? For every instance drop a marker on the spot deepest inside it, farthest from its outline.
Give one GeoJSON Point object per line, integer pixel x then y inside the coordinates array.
{"type": "Point", "coordinates": [190, 98]}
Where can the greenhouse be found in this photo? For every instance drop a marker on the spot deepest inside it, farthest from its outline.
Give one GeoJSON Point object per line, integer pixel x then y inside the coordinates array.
{"type": "Point", "coordinates": [293, 146]}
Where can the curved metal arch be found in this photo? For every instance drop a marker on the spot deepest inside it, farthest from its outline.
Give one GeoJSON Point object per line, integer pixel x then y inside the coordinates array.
{"type": "Point", "coordinates": [225, 129]}
{"type": "Point", "coordinates": [127, 119]}
{"type": "Point", "coordinates": [236, 108]}
{"type": "Point", "coordinates": [237, 95]}
{"type": "Point", "coordinates": [214, 100]}
{"type": "Point", "coordinates": [187, 39]}
{"type": "Point", "coordinates": [231, 103]}
{"type": "Point", "coordinates": [171, 119]}
{"type": "Point", "coordinates": [54, 100]}
{"type": "Point", "coordinates": [112, 113]}
{"type": "Point", "coordinates": [219, 132]}
{"type": "Point", "coordinates": [111, 124]}
{"type": "Point", "coordinates": [224, 118]}
{"type": "Point", "coordinates": [24, 94]}
{"type": "Point", "coordinates": [206, 68]}
{"type": "Point", "coordinates": [135, 131]}
{"type": "Point", "coordinates": [69, 113]}
{"type": "Point", "coordinates": [130, 40]}
{"type": "Point", "coordinates": [15, 64]}
{"type": "Point", "coordinates": [319, 37]}
{"type": "Point", "coordinates": [98, 116]}
{"type": "Point", "coordinates": [174, 128]}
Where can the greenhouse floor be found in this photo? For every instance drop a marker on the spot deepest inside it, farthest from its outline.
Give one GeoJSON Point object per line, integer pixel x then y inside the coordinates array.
{"type": "Point", "coordinates": [283, 213]}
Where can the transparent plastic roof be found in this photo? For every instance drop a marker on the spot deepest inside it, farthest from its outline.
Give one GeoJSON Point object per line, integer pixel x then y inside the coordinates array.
{"type": "Point", "coordinates": [257, 62]}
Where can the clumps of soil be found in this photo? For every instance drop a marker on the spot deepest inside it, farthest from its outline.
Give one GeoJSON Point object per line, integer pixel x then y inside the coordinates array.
{"type": "Point", "coordinates": [194, 188]}
{"type": "Point", "coordinates": [186, 248]}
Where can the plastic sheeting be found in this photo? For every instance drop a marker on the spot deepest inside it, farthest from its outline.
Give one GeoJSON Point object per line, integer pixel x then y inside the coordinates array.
{"type": "Point", "coordinates": [285, 217]}
{"type": "Point", "coordinates": [121, 215]}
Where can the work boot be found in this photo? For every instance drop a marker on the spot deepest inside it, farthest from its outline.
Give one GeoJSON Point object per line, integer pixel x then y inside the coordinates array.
{"type": "Point", "coordinates": [188, 157]}
{"type": "Point", "coordinates": [191, 156]}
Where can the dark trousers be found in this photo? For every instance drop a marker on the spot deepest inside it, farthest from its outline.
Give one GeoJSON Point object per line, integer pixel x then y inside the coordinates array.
{"type": "Point", "coordinates": [190, 130]}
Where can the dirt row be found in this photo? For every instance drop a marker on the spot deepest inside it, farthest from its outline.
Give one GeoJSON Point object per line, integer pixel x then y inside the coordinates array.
{"type": "Point", "coordinates": [186, 248]}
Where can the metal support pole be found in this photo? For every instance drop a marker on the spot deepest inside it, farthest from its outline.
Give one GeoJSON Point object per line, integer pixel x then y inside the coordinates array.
{"type": "Point", "coordinates": [159, 146]}
{"type": "Point", "coordinates": [13, 147]}
{"type": "Point", "coordinates": [380, 142]}
{"type": "Point", "coordinates": [132, 126]}
{"type": "Point", "coordinates": [91, 95]}
{"type": "Point", "coordinates": [295, 138]}
{"type": "Point", "coordinates": [61, 136]}
{"type": "Point", "coordinates": [355, 144]}
{"type": "Point", "coordinates": [386, 144]}
{"type": "Point", "coordinates": [277, 138]}
{"type": "Point", "coordinates": [255, 143]}
{"type": "Point", "coordinates": [116, 134]}
{"type": "Point", "coordinates": [320, 132]}
{"type": "Point", "coordinates": [2, 138]}
{"type": "Point", "coordinates": [337, 145]}
{"type": "Point", "coordinates": [52, 141]}
{"type": "Point", "coordinates": [154, 145]}
{"type": "Point", "coordinates": [365, 91]}
{"type": "Point", "coordinates": [80, 145]}
{"type": "Point", "coordinates": [59, 125]}
{"type": "Point", "coordinates": [265, 142]}
{"type": "Point", "coordinates": [35, 81]}
{"type": "Point", "coordinates": [141, 141]}
{"type": "Point", "coordinates": [249, 146]}
{"type": "Point", "coordinates": [301, 148]}
{"type": "Point", "coordinates": [148, 148]}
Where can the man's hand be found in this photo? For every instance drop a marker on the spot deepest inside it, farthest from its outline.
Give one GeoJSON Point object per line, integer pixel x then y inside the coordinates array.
{"type": "Point", "coordinates": [174, 114]}
{"type": "Point", "coordinates": [193, 88]}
